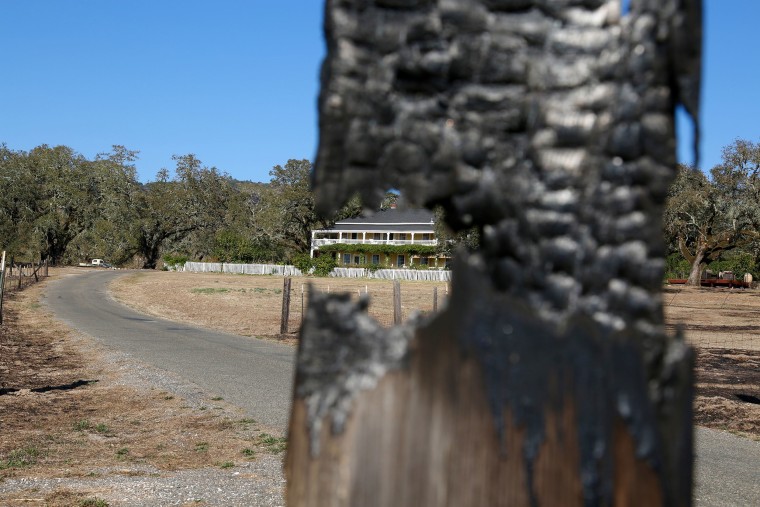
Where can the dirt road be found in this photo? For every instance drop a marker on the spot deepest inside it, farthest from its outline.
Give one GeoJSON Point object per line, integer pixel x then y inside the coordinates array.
{"type": "Point", "coordinates": [253, 374]}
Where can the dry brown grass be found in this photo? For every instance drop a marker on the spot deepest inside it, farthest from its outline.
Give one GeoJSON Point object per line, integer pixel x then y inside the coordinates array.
{"type": "Point", "coordinates": [106, 427]}
{"type": "Point", "coordinates": [103, 427]}
{"type": "Point", "coordinates": [722, 318]}
{"type": "Point", "coordinates": [251, 305]}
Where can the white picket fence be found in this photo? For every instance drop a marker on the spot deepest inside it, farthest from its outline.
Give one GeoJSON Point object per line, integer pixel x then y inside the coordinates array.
{"type": "Point", "coordinates": [394, 274]}
{"type": "Point", "coordinates": [241, 269]}
{"type": "Point", "coordinates": [431, 275]}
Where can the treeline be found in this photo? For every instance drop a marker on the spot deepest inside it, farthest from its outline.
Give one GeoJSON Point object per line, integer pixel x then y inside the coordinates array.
{"type": "Point", "coordinates": [58, 205]}
{"type": "Point", "coordinates": [712, 220]}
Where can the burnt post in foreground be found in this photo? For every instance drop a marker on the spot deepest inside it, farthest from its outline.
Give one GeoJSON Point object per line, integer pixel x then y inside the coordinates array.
{"type": "Point", "coordinates": [548, 379]}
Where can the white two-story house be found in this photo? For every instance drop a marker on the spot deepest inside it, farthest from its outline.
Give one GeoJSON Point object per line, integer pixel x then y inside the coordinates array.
{"type": "Point", "coordinates": [390, 238]}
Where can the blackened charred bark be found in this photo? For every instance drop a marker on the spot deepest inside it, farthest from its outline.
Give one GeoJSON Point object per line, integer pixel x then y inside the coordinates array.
{"type": "Point", "coordinates": [549, 378]}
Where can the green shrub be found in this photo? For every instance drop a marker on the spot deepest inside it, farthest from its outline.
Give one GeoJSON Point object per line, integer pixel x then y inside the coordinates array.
{"type": "Point", "coordinates": [738, 262]}
{"type": "Point", "coordinates": [676, 266]}
{"type": "Point", "coordinates": [232, 246]}
{"type": "Point", "coordinates": [303, 262]}
{"type": "Point", "coordinates": [175, 260]}
{"type": "Point", "coordinates": [422, 250]}
{"type": "Point", "coordinates": [323, 265]}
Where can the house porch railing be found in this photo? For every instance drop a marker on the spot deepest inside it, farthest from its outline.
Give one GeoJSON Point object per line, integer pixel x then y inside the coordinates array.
{"type": "Point", "coordinates": [317, 242]}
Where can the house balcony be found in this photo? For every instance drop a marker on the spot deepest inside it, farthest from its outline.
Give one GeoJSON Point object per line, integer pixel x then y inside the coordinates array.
{"type": "Point", "coordinates": [317, 242]}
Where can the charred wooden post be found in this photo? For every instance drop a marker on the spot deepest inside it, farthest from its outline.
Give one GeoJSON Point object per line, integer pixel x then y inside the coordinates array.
{"type": "Point", "coordinates": [548, 379]}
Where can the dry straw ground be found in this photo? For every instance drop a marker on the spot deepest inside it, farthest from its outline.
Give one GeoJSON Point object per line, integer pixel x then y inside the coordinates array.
{"type": "Point", "coordinates": [251, 305]}
{"type": "Point", "coordinates": [117, 426]}
{"type": "Point", "coordinates": [724, 326]}
{"type": "Point", "coordinates": [112, 425]}
{"type": "Point", "coordinates": [722, 323]}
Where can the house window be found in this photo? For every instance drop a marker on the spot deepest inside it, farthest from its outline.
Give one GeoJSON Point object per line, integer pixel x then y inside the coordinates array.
{"type": "Point", "coordinates": [354, 235]}
{"type": "Point", "coordinates": [423, 261]}
{"type": "Point", "coordinates": [400, 261]}
{"type": "Point", "coordinates": [375, 259]}
{"type": "Point", "coordinates": [390, 235]}
{"type": "Point", "coordinates": [379, 236]}
{"type": "Point", "coordinates": [346, 258]}
{"type": "Point", "coordinates": [356, 259]}
{"type": "Point", "coordinates": [426, 237]}
{"type": "Point", "coordinates": [402, 236]}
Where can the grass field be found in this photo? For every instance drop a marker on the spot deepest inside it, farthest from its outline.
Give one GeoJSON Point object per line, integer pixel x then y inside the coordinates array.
{"type": "Point", "coordinates": [251, 305]}
{"type": "Point", "coordinates": [723, 324]}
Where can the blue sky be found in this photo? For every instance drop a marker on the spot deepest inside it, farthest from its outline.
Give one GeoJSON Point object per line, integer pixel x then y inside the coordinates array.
{"type": "Point", "coordinates": [235, 82]}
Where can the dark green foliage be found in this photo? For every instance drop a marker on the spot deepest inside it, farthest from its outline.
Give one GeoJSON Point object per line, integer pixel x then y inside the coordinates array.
{"type": "Point", "coordinates": [55, 204]}
{"type": "Point", "coordinates": [323, 265]}
{"type": "Point", "coordinates": [676, 266]}
{"type": "Point", "coordinates": [175, 260]}
{"type": "Point", "coordinates": [303, 262]}
{"type": "Point", "coordinates": [738, 262]}
{"type": "Point", "coordinates": [423, 250]}
{"type": "Point", "coordinates": [230, 246]}
{"type": "Point", "coordinates": [193, 202]}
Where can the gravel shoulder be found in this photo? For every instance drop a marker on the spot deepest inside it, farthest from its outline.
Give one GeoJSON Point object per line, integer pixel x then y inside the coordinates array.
{"type": "Point", "coordinates": [129, 435]}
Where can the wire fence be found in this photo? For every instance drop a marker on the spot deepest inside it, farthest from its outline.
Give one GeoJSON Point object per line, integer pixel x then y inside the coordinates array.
{"type": "Point", "coordinates": [720, 323]}
{"type": "Point", "coordinates": [715, 318]}
{"type": "Point", "coordinates": [732, 341]}
{"type": "Point", "coordinates": [723, 326]}
{"type": "Point", "coordinates": [388, 306]}
{"type": "Point", "coordinates": [14, 276]}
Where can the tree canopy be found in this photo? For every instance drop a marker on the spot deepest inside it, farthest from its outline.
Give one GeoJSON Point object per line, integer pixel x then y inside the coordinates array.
{"type": "Point", "coordinates": [56, 204]}
{"type": "Point", "coordinates": [708, 216]}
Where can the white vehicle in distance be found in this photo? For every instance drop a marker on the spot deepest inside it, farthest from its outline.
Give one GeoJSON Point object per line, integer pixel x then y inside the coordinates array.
{"type": "Point", "coordinates": [96, 263]}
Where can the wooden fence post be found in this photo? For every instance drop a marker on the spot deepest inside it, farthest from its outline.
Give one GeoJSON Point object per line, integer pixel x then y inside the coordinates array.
{"type": "Point", "coordinates": [396, 303]}
{"type": "Point", "coordinates": [285, 306]}
{"type": "Point", "coordinates": [549, 377]}
{"type": "Point", "coordinates": [435, 299]}
{"type": "Point", "coordinates": [2, 285]}
{"type": "Point", "coordinates": [20, 274]}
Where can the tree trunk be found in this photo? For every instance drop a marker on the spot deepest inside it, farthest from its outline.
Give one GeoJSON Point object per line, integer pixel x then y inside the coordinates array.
{"type": "Point", "coordinates": [695, 276]}
{"type": "Point", "coordinates": [150, 249]}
